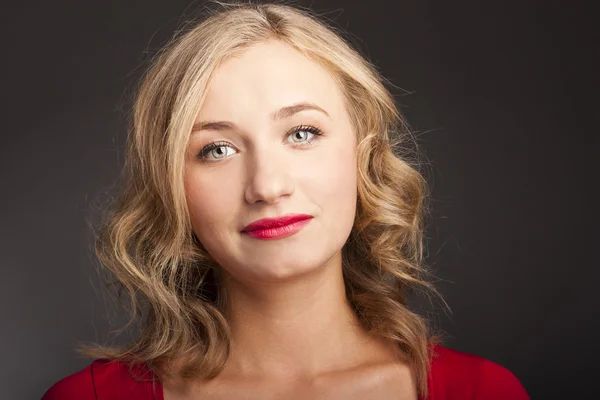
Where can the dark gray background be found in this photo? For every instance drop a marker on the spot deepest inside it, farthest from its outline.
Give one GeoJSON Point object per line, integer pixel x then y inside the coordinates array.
{"type": "Point", "coordinates": [503, 98]}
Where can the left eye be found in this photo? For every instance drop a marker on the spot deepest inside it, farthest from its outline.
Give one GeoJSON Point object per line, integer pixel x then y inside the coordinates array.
{"type": "Point", "coordinates": [302, 135]}
{"type": "Point", "coordinates": [304, 131]}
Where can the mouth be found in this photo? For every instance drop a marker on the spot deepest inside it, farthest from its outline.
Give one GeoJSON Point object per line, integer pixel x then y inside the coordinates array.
{"type": "Point", "coordinates": [275, 228]}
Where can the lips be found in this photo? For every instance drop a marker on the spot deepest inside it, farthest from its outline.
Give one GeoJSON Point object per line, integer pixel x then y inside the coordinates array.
{"type": "Point", "coordinates": [273, 223]}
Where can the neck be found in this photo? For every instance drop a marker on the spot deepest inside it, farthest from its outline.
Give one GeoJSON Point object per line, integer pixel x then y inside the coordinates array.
{"type": "Point", "coordinates": [302, 327]}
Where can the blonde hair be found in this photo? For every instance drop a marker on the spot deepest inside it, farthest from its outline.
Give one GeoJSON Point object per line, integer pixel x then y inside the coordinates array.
{"type": "Point", "coordinates": [146, 243]}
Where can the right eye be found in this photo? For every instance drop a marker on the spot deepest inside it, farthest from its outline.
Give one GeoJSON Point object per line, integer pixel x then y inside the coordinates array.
{"type": "Point", "coordinates": [215, 151]}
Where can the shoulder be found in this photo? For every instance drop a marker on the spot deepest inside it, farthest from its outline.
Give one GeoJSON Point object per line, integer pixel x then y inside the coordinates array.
{"type": "Point", "coordinates": [107, 380]}
{"type": "Point", "coordinates": [456, 374]}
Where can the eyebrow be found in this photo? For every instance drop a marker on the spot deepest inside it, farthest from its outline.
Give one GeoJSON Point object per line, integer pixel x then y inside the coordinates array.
{"type": "Point", "coordinates": [282, 113]}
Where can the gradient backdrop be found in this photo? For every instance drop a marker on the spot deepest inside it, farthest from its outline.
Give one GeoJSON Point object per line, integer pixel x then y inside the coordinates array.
{"type": "Point", "coordinates": [502, 97]}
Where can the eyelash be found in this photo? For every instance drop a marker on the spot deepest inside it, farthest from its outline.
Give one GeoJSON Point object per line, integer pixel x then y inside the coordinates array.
{"type": "Point", "coordinates": [301, 128]}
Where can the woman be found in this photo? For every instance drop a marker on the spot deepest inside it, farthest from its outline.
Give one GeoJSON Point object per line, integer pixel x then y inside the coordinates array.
{"type": "Point", "coordinates": [270, 229]}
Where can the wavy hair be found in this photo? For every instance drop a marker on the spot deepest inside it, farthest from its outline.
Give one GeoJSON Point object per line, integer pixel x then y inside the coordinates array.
{"type": "Point", "coordinates": [146, 244]}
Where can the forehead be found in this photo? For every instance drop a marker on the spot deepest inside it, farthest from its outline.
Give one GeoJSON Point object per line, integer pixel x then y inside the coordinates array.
{"type": "Point", "coordinates": [265, 77]}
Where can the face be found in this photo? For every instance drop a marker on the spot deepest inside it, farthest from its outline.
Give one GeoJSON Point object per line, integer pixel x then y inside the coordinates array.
{"type": "Point", "coordinates": [251, 157]}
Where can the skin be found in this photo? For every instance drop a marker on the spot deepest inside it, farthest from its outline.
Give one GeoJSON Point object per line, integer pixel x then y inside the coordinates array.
{"type": "Point", "coordinates": [294, 334]}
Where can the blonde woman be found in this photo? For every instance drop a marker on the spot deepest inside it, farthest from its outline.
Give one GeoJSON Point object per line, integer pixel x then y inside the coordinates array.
{"type": "Point", "coordinates": [270, 229]}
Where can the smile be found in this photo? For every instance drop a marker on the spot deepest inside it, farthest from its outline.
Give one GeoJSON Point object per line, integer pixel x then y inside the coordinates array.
{"type": "Point", "coordinates": [277, 228]}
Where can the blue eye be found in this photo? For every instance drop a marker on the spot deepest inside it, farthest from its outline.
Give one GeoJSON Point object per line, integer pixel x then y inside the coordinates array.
{"type": "Point", "coordinates": [219, 150]}
{"type": "Point", "coordinates": [306, 129]}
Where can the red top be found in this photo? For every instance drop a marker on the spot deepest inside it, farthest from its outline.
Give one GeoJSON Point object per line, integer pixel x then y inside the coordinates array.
{"type": "Point", "coordinates": [455, 375]}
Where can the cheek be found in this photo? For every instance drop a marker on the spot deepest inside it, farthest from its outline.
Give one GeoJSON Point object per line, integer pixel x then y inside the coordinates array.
{"type": "Point", "coordinates": [334, 183]}
{"type": "Point", "coordinates": [210, 202]}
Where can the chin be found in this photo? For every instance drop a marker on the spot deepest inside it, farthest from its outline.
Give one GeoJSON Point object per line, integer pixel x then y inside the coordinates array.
{"type": "Point", "coordinates": [272, 269]}
{"type": "Point", "coordinates": [281, 273]}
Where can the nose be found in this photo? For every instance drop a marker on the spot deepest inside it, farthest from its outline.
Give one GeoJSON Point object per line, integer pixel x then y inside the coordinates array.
{"type": "Point", "coordinates": [268, 177]}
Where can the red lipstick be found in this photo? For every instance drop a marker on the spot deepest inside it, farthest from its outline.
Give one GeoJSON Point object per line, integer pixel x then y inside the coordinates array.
{"type": "Point", "coordinates": [275, 228]}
